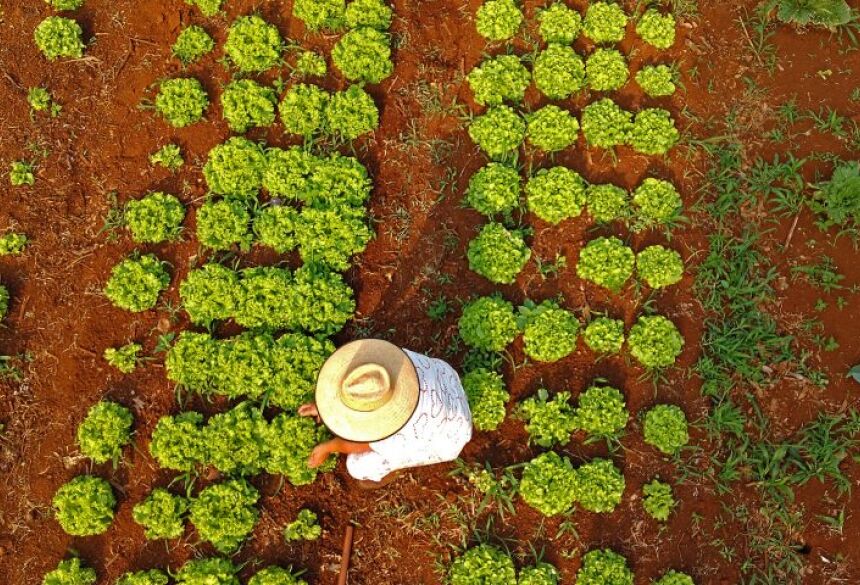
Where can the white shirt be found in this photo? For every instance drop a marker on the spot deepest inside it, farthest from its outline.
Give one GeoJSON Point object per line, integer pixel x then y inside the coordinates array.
{"type": "Point", "coordinates": [436, 432]}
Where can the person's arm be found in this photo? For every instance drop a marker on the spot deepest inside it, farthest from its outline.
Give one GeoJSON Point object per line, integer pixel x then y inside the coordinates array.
{"type": "Point", "coordinates": [336, 445]}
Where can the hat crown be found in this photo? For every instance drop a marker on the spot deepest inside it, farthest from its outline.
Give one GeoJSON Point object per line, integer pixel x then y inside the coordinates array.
{"type": "Point", "coordinates": [366, 388]}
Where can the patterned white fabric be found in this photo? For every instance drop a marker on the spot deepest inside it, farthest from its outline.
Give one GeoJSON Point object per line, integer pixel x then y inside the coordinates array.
{"type": "Point", "coordinates": [437, 431]}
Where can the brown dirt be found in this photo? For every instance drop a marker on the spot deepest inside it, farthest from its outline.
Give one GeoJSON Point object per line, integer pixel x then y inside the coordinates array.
{"type": "Point", "coordinates": [100, 145]}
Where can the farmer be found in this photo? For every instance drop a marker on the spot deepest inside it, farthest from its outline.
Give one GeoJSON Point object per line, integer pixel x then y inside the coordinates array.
{"type": "Point", "coordinates": [389, 409]}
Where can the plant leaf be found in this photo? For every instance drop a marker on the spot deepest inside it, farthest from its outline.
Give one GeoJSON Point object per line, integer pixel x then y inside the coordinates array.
{"type": "Point", "coordinates": [855, 373]}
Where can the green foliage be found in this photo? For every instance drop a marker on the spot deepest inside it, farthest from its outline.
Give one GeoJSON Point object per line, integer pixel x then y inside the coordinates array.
{"type": "Point", "coordinates": [363, 54]}
{"type": "Point", "coordinates": [311, 64]}
{"type": "Point", "coordinates": [549, 484]}
{"type": "Point", "coordinates": [331, 237]}
{"type": "Point", "coordinates": [84, 506]}
{"type": "Point", "coordinates": [253, 45]}
{"type": "Point", "coordinates": [600, 486]}
{"type": "Point", "coordinates": [262, 299]}
{"type": "Point", "coordinates": [12, 244]}
{"type": "Point", "coordinates": [606, 262]}
{"type": "Point", "coordinates": [655, 341]}
{"type": "Point", "coordinates": [105, 431]}
{"type": "Point", "coordinates": [207, 7]}
{"type": "Point", "coordinates": [321, 14]}
{"type": "Point", "coordinates": [604, 567]}
{"type": "Point", "coordinates": [602, 412]}
{"type": "Point", "coordinates": [498, 254]}
{"type": "Point", "coordinates": [373, 13]}
{"type": "Point", "coordinates": [151, 577]}
{"type": "Point", "coordinates": [606, 70]}
{"type": "Point", "coordinates": [21, 173]}
{"type": "Point", "coordinates": [303, 109]}
{"type": "Point", "coordinates": [656, 29]}
{"type": "Point", "coordinates": [657, 202]}
{"type": "Point", "coordinates": [499, 79]}
{"type": "Point", "coordinates": [70, 572]}
{"type": "Point", "coordinates": [298, 359]}
{"type": "Point", "coordinates": [65, 4]}
{"type": "Point", "coordinates": [604, 335]}
{"type": "Point", "coordinates": [223, 224]}
{"type": "Point", "coordinates": [289, 172]}
{"type": "Point", "coordinates": [275, 226]}
{"type": "Point", "coordinates": [656, 80]}
{"type": "Point", "coordinates": [177, 441]}
{"type": "Point", "coordinates": [605, 124]}
{"type": "Point", "coordinates": [498, 132]}
{"type": "Point", "coordinates": [247, 104]}
{"type": "Point", "coordinates": [498, 20]}
{"type": "Point", "coordinates": [605, 22]}
{"type": "Point", "coordinates": [549, 332]}
{"type": "Point", "coordinates": [838, 199]}
{"type": "Point", "coordinates": [209, 293]}
{"type": "Point", "coordinates": [666, 428]}
{"type": "Point", "coordinates": [559, 72]}
{"type": "Point", "coordinates": [653, 132]}
{"type": "Point", "coordinates": [494, 189]}
{"type": "Point", "coordinates": [155, 218]}
{"type": "Point", "coordinates": [551, 128]}
{"type": "Point", "coordinates": [136, 282]}
{"type": "Point", "coordinates": [675, 578]}
{"type": "Point", "coordinates": [224, 513]}
{"type": "Point", "coordinates": [57, 37]}
{"type": "Point", "coordinates": [659, 267]}
{"type": "Point", "coordinates": [192, 44]}
{"type": "Point", "coordinates": [352, 113]}
{"type": "Point", "coordinates": [235, 168]}
{"type": "Point", "coordinates": [337, 181]}
{"type": "Point", "coordinates": [320, 301]}
{"type": "Point", "coordinates": [213, 571]}
{"type": "Point", "coordinates": [487, 397]}
{"type": "Point", "coordinates": [169, 156]}
{"type": "Point", "coordinates": [275, 576]}
{"type": "Point", "coordinates": [483, 565]}
{"type": "Point", "coordinates": [304, 527]}
{"type": "Point", "coordinates": [161, 514]}
{"type": "Point", "coordinates": [40, 100]}
{"type": "Point", "coordinates": [559, 24]}
{"type": "Point", "coordinates": [292, 438]}
{"type": "Point", "coordinates": [4, 301]}
{"type": "Point", "coordinates": [540, 574]}
{"type": "Point", "coordinates": [549, 422]}
{"type": "Point", "coordinates": [556, 194]}
{"type": "Point", "coordinates": [657, 499]}
{"type": "Point", "coordinates": [488, 323]}
{"type": "Point", "coordinates": [181, 101]}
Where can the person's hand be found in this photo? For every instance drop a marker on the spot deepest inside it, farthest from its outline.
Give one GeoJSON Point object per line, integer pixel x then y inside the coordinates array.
{"type": "Point", "coordinates": [318, 456]}
{"type": "Point", "coordinates": [309, 409]}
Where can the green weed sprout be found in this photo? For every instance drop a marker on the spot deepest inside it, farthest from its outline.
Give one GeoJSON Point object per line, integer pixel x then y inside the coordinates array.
{"type": "Point", "coordinates": [487, 397]}
{"type": "Point", "coordinates": [488, 323]}
{"type": "Point", "coordinates": [371, 13]}
{"type": "Point", "coordinates": [235, 168]}
{"type": "Point", "coordinates": [161, 514]}
{"type": "Point", "coordinates": [559, 72]}
{"type": "Point", "coordinates": [653, 132]}
{"type": "Point", "coordinates": [247, 104]}
{"type": "Point", "coordinates": [655, 342]}
{"type": "Point", "coordinates": [659, 267]}
{"type": "Point", "coordinates": [123, 358]}
{"type": "Point", "coordinates": [136, 282]}
{"type": "Point", "coordinates": [321, 14]}
{"type": "Point", "coordinates": [548, 422]}
{"type": "Point", "coordinates": [657, 202]}
{"type": "Point", "coordinates": [498, 254]}
{"type": "Point", "coordinates": [363, 54]}
{"type": "Point", "coordinates": [331, 237]}
{"type": "Point", "coordinates": [605, 124]}
{"type": "Point", "coordinates": [499, 79]}
{"type": "Point", "coordinates": [656, 80]}
{"type": "Point", "coordinates": [224, 224]}
{"type": "Point", "coordinates": [675, 578]}
{"type": "Point", "coordinates": [155, 218]}
{"type": "Point", "coordinates": [605, 335]}
{"type": "Point", "coordinates": [21, 173]}
{"type": "Point", "coordinates": [838, 199]}
{"type": "Point", "coordinates": [304, 527]}
{"type": "Point", "coordinates": [666, 428]}
{"type": "Point", "coordinates": [498, 20]}
{"type": "Point", "coordinates": [605, 22]}
{"type": "Point", "coordinates": [84, 506]}
{"type": "Point", "coordinates": [494, 189]}
{"type": "Point", "coordinates": [65, 4]}
{"type": "Point", "coordinates": [352, 113]}
{"type": "Point", "coordinates": [4, 301]}
{"type": "Point", "coordinates": [275, 226]}
{"type": "Point", "coordinates": [657, 499]}
{"type": "Point", "coordinates": [303, 109]}
{"type": "Point", "coordinates": [207, 7]}
{"type": "Point", "coordinates": [169, 156]}
{"type": "Point", "coordinates": [292, 438]}
{"type": "Point", "coordinates": [483, 564]}
{"type": "Point", "coordinates": [549, 332]}
{"type": "Point", "coordinates": [559, 24]}
{"type": "Point", "coordinates": [298, 358]}
{"type": "Point", "coordinates": [606, 70]}
{"type": "Point", "coordinates": [551, 128]}
{"type": "Point", "coordinates": [40, 100]}
{"type": "Point", "coordinates": [275, 576]}
{"type": "Point", "coordinates": [498, 132]}
{"type": "Point", "coordinates": [556, 194]}
{"type": "Point", "coordinates": [656, 29]}
{"type": "Point", "coordinates": [177, 441]}
{"type": "Point", "coordinates": [600, 486]}
{"type": "Point", "coordinates": [181, 101]}
{"type": "Point", "coordinates": [253, 45]}
{"type": "Point", "coordinates": [212, 571]}
{"type": "Point", "coordinates": [192, 44]}
{"type": "Point", "coordinates": [600, 567]}
{"type": "Point", "coordinates": [540, 574]}
{"type": "Point", "coordinates": [310, 64]}
{"type": "Point", "coordinates": [151, 577]}
{"type": "Point", "coordinates": [602, 412]}
{"type": "Point", "coordinates": [105, 431]}
{"type": "Point", "coordinates": [70, 572]}
{"type": "Point", "coordinates": [224, 513]}
{"type": "Point", "coordinates": [209, 293]}
{"type": "Point", "coordinates": [606, 202]}
{"type": "Point", "coordinates": [58, 37]}
{"type": "Point", "coordinates": [549, 484]}
{"type": "Point", "coordinates": [606, 262]}
{"type": "Point", "coordinates": [12, 244]}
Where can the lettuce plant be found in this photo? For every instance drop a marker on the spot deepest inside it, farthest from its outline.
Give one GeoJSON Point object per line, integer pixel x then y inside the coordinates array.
{"type": "Point", "coordinates": [84, 506]}
{"type": "Point", "coordinates": [291, 440]}
{"type": "Point", "coordinates": [659, 267]}
{"type": "Point", "coordinates": [656, 80]}
{"type": "Point", "coordinates": [288, 172]}
{"type": "Point", "coordinates": [838, 199]}
{"type": "Point", "coordinates": [499, 79]}
{"type": "Point", "coordinates": [40, 100]}
{"type": "Point", "coordinates": [363, 54]}
{"type": "Point", "coordinates": [21, 173]}
{"type": "Point", "coordinates": [247, 104]}
{"type": "Point", "coordinates": [600, 486]}
{"type": "Point", "coordinates": [4, 301]}
{"type": "Point", "coordinates": [559, 24]}
{"type": "Point", "coordinates": [556, 194]}
{"type": "Point", "coordinates": [57, 37]}
{"type": "Point", "coordinates": [177, 441]}
{"type": "Point", "coordinates": [105, 431]}
{"type": "Point", "coordinates": [304, 527]}
{"type": "Point", "coordinates": [207, 7]}
{"type": "Point", "coordinates": [331, 237]}
{"type": "Point", "coordinates": [606, 70]}
{"type": "Point", "coordinates": [657, 202]}
{"type": "Point", "coordinates": [498, 254]}
{"type": "Point", "coordinates": [224, 513]}
{"type": "Point", "coordinates": [656, 29]}
{"type": "Point", "coordinates": [548, 422]}
{"type": "Point", "coordinates": [191, 360]}
{"type": "Point", "coordinates": [223, 224]}
{"type": "Point", "coordinates": [655, 341]}
{"type": "Point", "coordinates": [298, 359]}
{"type": "Point", "coordinates": [372, 13]}
{"type": "Point", "coordinates": [209, 293]}
{"type": "Point", "coordinates": [605, 124]}
{"type": "Point", "coordinates": [235, 168]}
{"type": "Point", "coordinates": [482, 565]}
{"type": "Point", "coordinates": [319, 301]}
{"type": "Point", "coordinates": [601, 412]}
{"type": "Point", "coordinates": [65, 4]}
{"type": "Point", "coordinates": [601, 567]}
{"type": "Point", "coordinates": [498, 132]}
{"type": "Point", "coordinates": [136, 282]}
{"type": "Point", "coordinates": [604, 335]}
{"type": "Point", "coordinates": [549, 332]}
{"type": "Point", "coordinates": [666, 428]}
{"type": "Point", "coordinates": [12, 244]}
{"type": "Point", "coordinates": [275, 576]}
{"type": "Point", "coordinates": [161, 514]}
{"type": "Point", "coordinates": [212, 571]}
{"type": "Point", "coordinates": [244, 367]}
{"type": "Point", "coordinates": [487, 397]}
{"type": "Point", "coordinates": [540, 574]}
{"type": "Point", "coordinates": [310, 64]}
{"type": "Point", "coordinates": [337, 181]}
{"type": "Point", "coordinates": [321, 14]}
{"type": "Point", "coordinates": [653, 132]}
{"type": "Point", "coordinates": [657, 499]}
{"type": "Point", "coordinates": [606, 262]}
{"type": "Point", "coordinates": [551, 128]}
{"type": "Point", "coordinates": [675, 578]}
{"type": "Point", "coordinates": [155, 218]}
{"type": "Point", "coordinates": [605, 22]}
{"type": "Point", "coordinates": [181, 101]}
{"type": "Point", "coordinates": [559, 72]}
{"type": "Point", "coordinates": [262, 300]}
{"type": "Point", "coordinates": [498, 20]}
{"type": "Point", "coordinates": [549, 484]}
{"type": "Point", "coordinates": [275, 226]}
{"type": "Point", "coordinates": [253, 45]}
{"type": "Point", "coordinates": [151, 577]}
{"type": "Point", "coordinates": [488, 323]}
{"type": "Point", "coordinates": [70, 572]}
{"type": "Point", "coordinates": [303, 109]}
{"type": "Point", "coordinates": [169, 156]}
{"type": "Point", "coordinates": [494, 189]}
{"type": "Point", "coordinates": [192, 44]}
{"type": "Point", "coordinates": [352, 113]}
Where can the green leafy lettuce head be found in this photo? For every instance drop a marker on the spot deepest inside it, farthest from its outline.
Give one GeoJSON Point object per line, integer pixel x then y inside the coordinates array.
{"type": "Point", "coordinates": [209, 293]}
{"type": "Point", "coordinates": [602, 412]}
{"type": "Point", "coordinates": [4, 301]}
{"type": "Point", "coordinates": [600, 486]}
{"type": "Point", "coordinates": [498, 254]}
{"type": "Point", "coordinates": [549, 422]}
{"type": "Point", "coordinates": [262, 301]}
{"type": "Point", "coordinates": [600, 567]}
{"type": "Point", "coordinates": [291, 439]}
{"type": "Point", "coordinates": [224, 514]}
{"type": "Point", "coordinates": [607, 202]}
{"type": "Point", "coordinates": [331, 237]}
{"type": "Point", "coordinates": [494, 189]}
{"type": "Point", "coordinates": [352, 113]}
{"type": "Point", "coordinates": [606, 262]}
{"type": "Point", "coordinates": [321, 14]}
{"type": "Point", "coordinates": [487, 397]}
{"type": "Point", "coordinates": [105, 431]}
{"type": "Point", "coordinates": [235, 168]}
{"type": "Point", "coordinates": [161, 514]}
{"type": "Point", "coordinates": [363, 54]}
{"type": "Point", "coordinates": [190, 361]}
{"type": "Point", "coordinates": [658, 501]}
{"type": "Point", "coordinates": [65, 4]}
{"type": "Point", "coordinates": [659, 267]}
{"type": "Point", "coordinates": [39, 99]}
{"type": "Point", "coordinates": [136, 282]}
{"type": "Point", "coordinates": [655, 341]}
{"type": "Point", "coordinates": [838, 199]}
{"type": "Point", "coordinates": [123, 358]}
{"type": "Point", "coordinates": [213, 571]}
{"type": "Point", "coordinates": [84, 506]}
{"type": "Point", "coordinates": [540, 574]}
{"type": "Point", "coordinates": [605, 124]}
{"type": "Point", "coordinates": [549, 332]}
{"type": "Point", "coordinates": [606, 70]}
{"type": "Point", "coordinates": [657, 201]}
{"type": "Point", "coordinates": [57, 37]}
{"type": "Point", "coordinates": [653, 132]}
{"type": "Point", "coordinates": [245, 367]}
{"type": "Point", "coordinates": [275, 576]}
{"type": "Point", "coordinates": [319, 301]}
{"type": "Point", "coordinates": [169, 156]}
{"type": "Point", "coordinates": [549, 484]}
{"type": "Point", "coordinates": [675, 578]}
{"type": "Point", "coordinates": [178, 442]}
{"type": "Point", "coordinates": [207, 7]}
{"type": "Point", "coordinates": [498, 20]}
{"type": "Point", "coordinates": [551, 128]}
{"type": "Point", "coordinates": [181, 101]}
{"type": "Point", "coordinates": [656, 80]}
{"type": "Point", "coordinates": [304, 527]}
{"type": "Point", "coordinates": [12, 244]}
{"type": "Point", "coordinates": [483, 564]}
{"type": "Point", "coordinates": [556, 194]}
{"type": "Point", "coordinates": [21, 173]}
{"type": "Point", "coordinates": [247, 104]}
{"type": "Point", "coordinates": [70, 572]}
{"type": "Point", "coordinates": [656, 29]}
{"type": "Point", "coordinates": [666, 428]}
{"type": "Point", "coordinates": [499, 79]}
{"type": "Point", "coordinates": [223, 224]}
{"type": "Point", "coordinates": [151, 577]}
{"type": "Point", "coordinates": [372, 13]}
{"type": "Point", "coordinates": [275, 227]}
{"type": "Point", "coordinates": [605, 22]}
{"type": "Point", "coordinates": [559, 24]}
{"type": "Point", "coordinates": [559, 72]}
{"type": "Point", "coordinates": [498, 132]}
{"type": "Point", "coordinates": [605, 335]}
{"type": "Point", "coordinates": [253, 45]}
{"type": "Point", "coordinates": [288, 172]}
{"type": "Point", "coordinates": [155, 218]}
{"type": "Point", "coordinates": [488, 323]}
{"type": "Point", "coordinates": [338, 181]}
{"type": "Point", "coordinates": [303, 109]}
{"type": "Point", "coordinates": [192, 44]}
{"type": "Point", "coordinates": [298, 359]}
{"type": "Point", "coordinates": [311, 64]}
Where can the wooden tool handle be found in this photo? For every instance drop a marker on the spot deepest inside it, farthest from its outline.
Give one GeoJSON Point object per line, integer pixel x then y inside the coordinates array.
{"type": "Point", "coordinates": [345, 555]}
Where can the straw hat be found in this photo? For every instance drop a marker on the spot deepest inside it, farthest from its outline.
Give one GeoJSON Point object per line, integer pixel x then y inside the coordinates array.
{"type": "Point", "coordinates": [367, 390]}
